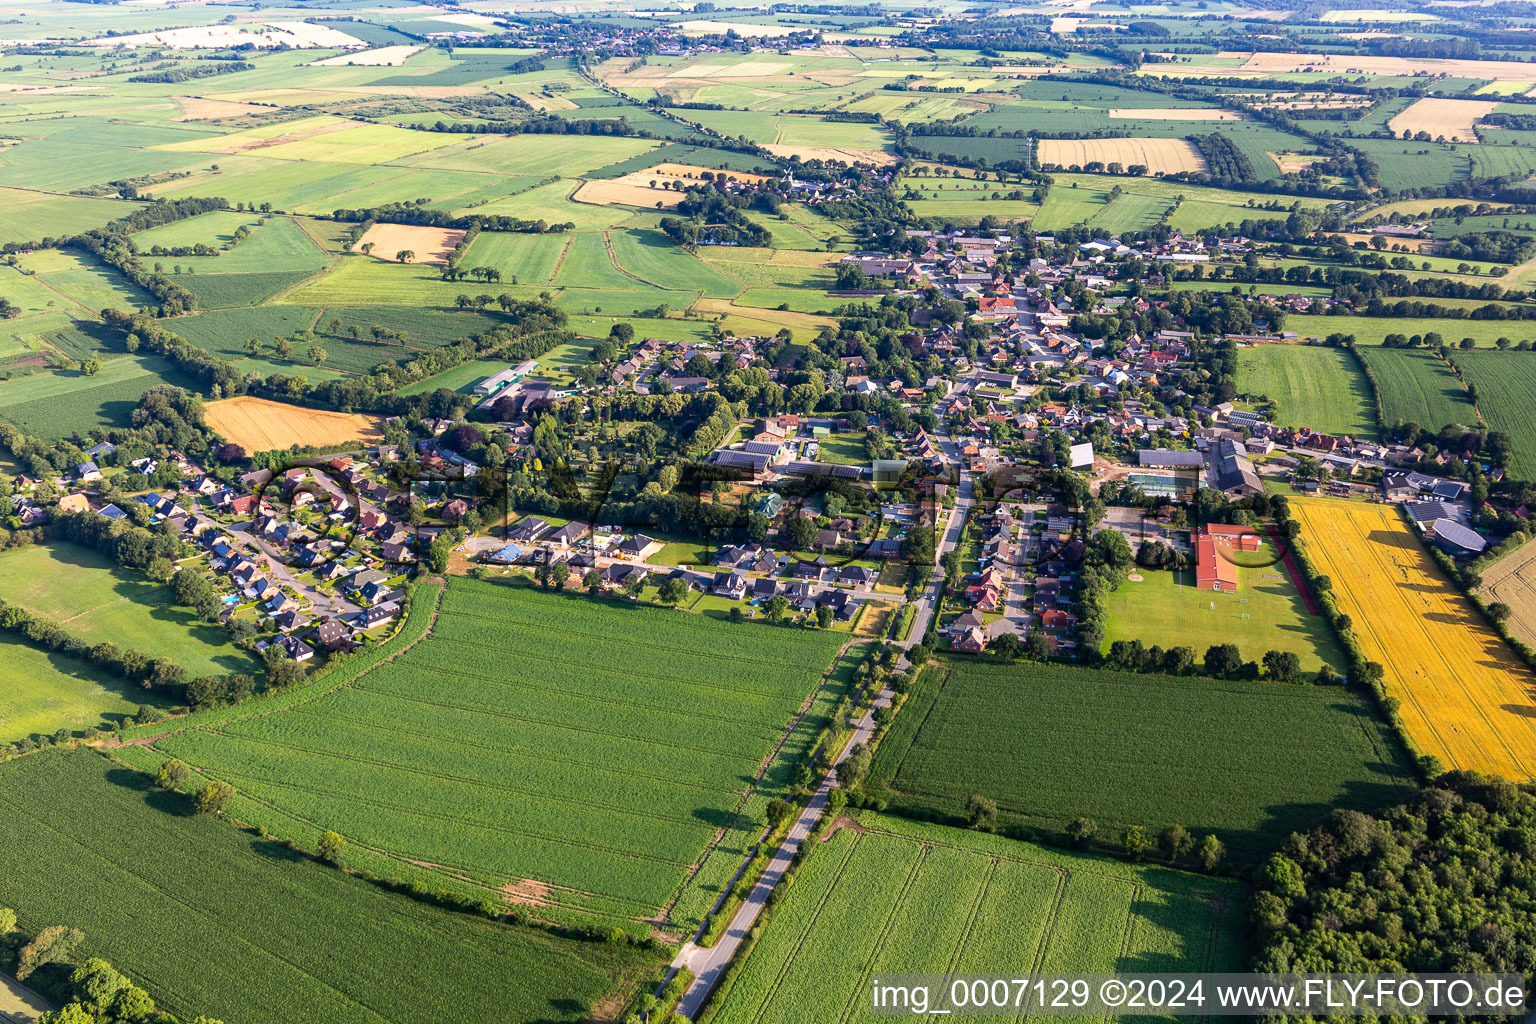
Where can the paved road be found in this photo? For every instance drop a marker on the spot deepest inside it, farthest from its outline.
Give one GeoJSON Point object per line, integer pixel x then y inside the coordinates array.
{"type": "Point", "coordinates": [325, 602]}
{"type": "Point", "coordinates": [708, 963]}
{"type": "Point", "coordinates": [19, 1004]}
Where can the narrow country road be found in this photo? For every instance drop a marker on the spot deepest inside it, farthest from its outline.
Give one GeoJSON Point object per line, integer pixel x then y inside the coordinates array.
{"type": "Point", "coordinates": [19, 1004]}
{"type": "Point", "coordinates": [708, 962]}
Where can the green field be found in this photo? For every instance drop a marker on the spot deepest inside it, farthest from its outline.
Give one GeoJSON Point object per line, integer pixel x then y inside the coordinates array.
{"type": "Point", "coordinates": [1505, 383]}
{"type": "Point", "coordinates": [898, 896]}
{"type": "Point", "coordinates": [1320, 388]}
{"type": "Point", "coordinates": [98, 601]}
{"type": "Point", "coordinates": [279, 244]}
{"type": "Point", "coordinates": [1370, 330]}
{"type": "Point", "coordinates": [46, 692]}
{"type": "Point", "coordinates": [590, 747]}
{"type": "Point", "coordinates": [213, 920]}
{"type": "Point", "coordinates": [655, 258]}
{"type": "Point", "coordinates": [32, 216]}
{"type": "Point", "coordinates": [83, 279]}
{"type": "Point", "coordinates": [1404, 165]}
{"type": "Point", "coordinates": [216, 229]}
{"type": "Point", "coordinates": [530, 258]}
{"type": "Point", "coordinates": [1266, 613]}
{"type": "Point", "coordinates": [1415, 387]}
{"type": "Point", "coordinates": [1248, 761]}
{"type": "Point", "coordinates": [53, 404]}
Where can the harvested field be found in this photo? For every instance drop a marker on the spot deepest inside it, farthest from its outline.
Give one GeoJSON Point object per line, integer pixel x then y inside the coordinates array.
{"type": "Point", "coordinates": [539, 101]}
{"type": "Point", "coordinates": [1262, 64]}
{"type": "Point", "coordinates": [272, 136]}
{"type": "Point", "coordinates": [635, 188]}
{"type": "Point", "coordinates": [297, 34]}
{"type": "Point", "coordinates": [1291, 162]}
{"type": "Point", "coordinates": [384, 56]}
{"type": "Point", "coordinates": [259, 425]}
{"type": "Point", "coordinates": [1512, 579]}
{"type": "Point", "coordinates": [631, 190]}
{"type": "Point", "coordinates": [1176, 113]}
{"type": "Point", "coordinates": [430, 245]}
{"type": "Point", "coordinates": [200, 108]}
{"type": "Point", "coordinates": [847, 156]}
{"type": "Point", "coordinates": [1450, 119]}
{"type": "Point", "coordinates": [1465, 697]}
{"type": "Point", "coordinates": [1159, 156]}
{"type": "Point", "coordinates": [694, 172]}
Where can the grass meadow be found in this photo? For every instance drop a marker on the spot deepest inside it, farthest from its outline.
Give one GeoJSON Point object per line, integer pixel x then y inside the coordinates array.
{"type": "Point", "coordinates": [1311, 386]}
{"type": "Point", "coordinates": [46, 692]}
{"type": "Point", "coordinates": [98, 601]}
{"type": "Point", "coordinates": [589, 750]}
{"type": "Point", "coordinates": [893, 896]}
{"type": "Point", "coordinates": [1248, 761]}
{"type": "Point", "coordinates": [211, 919]}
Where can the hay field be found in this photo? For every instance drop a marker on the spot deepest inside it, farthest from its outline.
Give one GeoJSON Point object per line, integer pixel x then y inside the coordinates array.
{"type": "Point", "coordinates": [1262, 64]}
{"type": "Point", "coordinates": [1465, 697]}
{"type": "Point", "coordinates": [632, 189]}
{"type": "Point", "coordinates": [1160, 156]}
{"type": "Point", "coordinates": [1176, 113]}
{"type": "Point", "coordinates": [431, 245]}
{"type": "Point", "coordinates": [879, 157]}
{"type": "Point", "coordinates": [1512, 579]}
{"type": "Point", "coordinates": [259, 425]}
{"type": "Point", "coordinates": [384, 56]}
{"type": "Point", "coordinates": [1453, 119]}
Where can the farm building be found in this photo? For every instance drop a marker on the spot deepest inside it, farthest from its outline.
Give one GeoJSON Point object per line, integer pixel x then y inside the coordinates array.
{"type": "Point", "coordinates": [1168, 458]}
{"type": "Point", "coordinates": [1454, 539]}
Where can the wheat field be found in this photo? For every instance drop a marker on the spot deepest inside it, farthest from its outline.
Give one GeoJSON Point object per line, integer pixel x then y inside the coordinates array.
{"type": "Point", "coordinates": [1465, 697]}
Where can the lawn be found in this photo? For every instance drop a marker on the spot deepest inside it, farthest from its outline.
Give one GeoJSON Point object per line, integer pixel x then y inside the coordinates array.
{"type": "Point", "coordinates": [586, 749]}
{"type": "Point", "coordinates": [895, 896]}
{"type": "Point", "coordinates": [1166, 608]}
{"type": "Point", "coordinates": [842, 450]}
{"type": "Point", "coordinates": [1320, 388]}
{"type": "Point", "coordinates": [1413, 386]}
{"type": "Point", "coordinates": [461, 378]}
{"type": "Point", "coordinates": [1250, 762]}
{"type": "Point", "coordinates": [46, 692]}
{"type": "Point", "coordinates": [96, 600]}
{"type": "Point", "coordinates": [213, 920]}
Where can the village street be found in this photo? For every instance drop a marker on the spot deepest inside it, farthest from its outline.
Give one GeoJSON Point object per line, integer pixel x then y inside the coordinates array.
{"type": "Point", "coordinates": [707, 962]}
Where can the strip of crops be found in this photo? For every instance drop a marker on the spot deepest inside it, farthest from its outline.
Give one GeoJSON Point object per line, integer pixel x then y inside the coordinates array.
{"type": "Point", "coordinates": [593, 748]}
{"type": "Point", "coordinates": [1505, 382]}
{"type": "Point", "coordinates": [212, 921]}
{"type": "Point", "coordinates": [1250, 762]}
{"type": "Point", "coordinates": [1415, 387]}
{"type": "Point", "coordinates": [943, 899]}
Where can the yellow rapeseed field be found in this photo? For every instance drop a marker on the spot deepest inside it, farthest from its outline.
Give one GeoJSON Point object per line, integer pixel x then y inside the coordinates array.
{"type": "Point", "coordinates": [1465, 697]}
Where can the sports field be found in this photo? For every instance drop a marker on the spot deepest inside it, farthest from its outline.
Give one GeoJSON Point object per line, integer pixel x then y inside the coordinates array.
{"type": "Point", "coordinates": [582, 752]}
{"type": "Point", "coordinates": [259, 425]}
{"type": "Point", "coordinates": [1248, 761]}
{"type": "Point", "coordinates": [893, 896]}
{"type": "Point", "coordinates": [1320, 388]}
{"type": "Point", "coordinates": [213, 920]}
{"type": "Point", "coordinates": [1465, 697]}
{"type": "Point", "coordinates": [96, 600]}
{"type": "Point", "coordinates": [1265, 613]}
